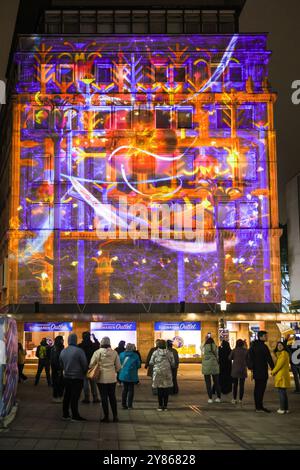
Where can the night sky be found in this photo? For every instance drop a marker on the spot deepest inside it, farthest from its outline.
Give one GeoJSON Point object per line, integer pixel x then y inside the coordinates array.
{"type": "Point", "coordinates": [281, 20]}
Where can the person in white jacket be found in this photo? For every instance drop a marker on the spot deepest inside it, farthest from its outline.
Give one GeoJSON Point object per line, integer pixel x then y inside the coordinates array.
{"type": "Point", "coordinates": [109, 365]}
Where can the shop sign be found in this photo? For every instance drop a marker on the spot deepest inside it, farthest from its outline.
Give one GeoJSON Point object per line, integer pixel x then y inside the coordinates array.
{"type": "Point", "coordinates": [45, 327]}
{"type": "Point", "coordinates": [113, 326]}
{"type": "Point", "coordinates": [176, 326]}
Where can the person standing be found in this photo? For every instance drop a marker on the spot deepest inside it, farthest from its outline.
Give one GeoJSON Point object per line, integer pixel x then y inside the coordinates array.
{"type": "Point", "coordinates": [43, 354]}
{"type": "Point", "coordinates": [225, 379]}
{"type": "Point", "coordinates": [110, 365]}
{"type": "Point", "coordinates": [211, 369]}
{"type": "Point", "coordinates": [89, 347]}
{"type": "Point", "coordinates": [21, 362]}
{"type": "Point", "coordinates": [259, 358]}
{"type": "Point", "coordinates": [148, 366]}
{"type": "Point", "coordinates": [75, 366]}
{"type": "Point", "coordinates": [175, 389]}
{"type": "Point", "coordinates": [128, 375]}
{"type": "Point", "coordinates": [238, 370]}
{"type": "Point", "coordinates": [281, 372]}
{"type": "Point", "coordinates": [120, 349]}
{"type": "Point", "coordinates": [56, 370]}
{"type": "Point", "coordinates": [162, 361]}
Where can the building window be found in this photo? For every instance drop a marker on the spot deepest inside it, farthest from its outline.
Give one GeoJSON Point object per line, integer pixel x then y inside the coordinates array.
{"type": "Point", "coordinates": [235, 73]}
{"type": "Point", "coordinates": [179, 74]}
{"type": "Point", "coordinates": [226, 215]}
{"type": "Point", "coordinates": [245, 117]}
{"type": "Point", "coordinates": [146, 73]}
{"type": "Point", "coordinates": [70, 22]}
{"type": "Point", "coordinates": [88, 22]}
{"type": "Point", "coordinates": [184, 118]}
{"type": "Point", "coordinates": [223, 118]}
{"type": "Point", "coordinates": [192, 24]}
{"type": "Point", "coordinates": [140, 21]}
{"type": "Point", "coordinates": [226, 21]}
{"type": "Point", "coordinates": [163, 118]}
{"type": "Point", "coordinates": [53, 22]}
{"type": "Point", "coordinates": [157, 22]}
{"type": "Point", "coordinates": [161, 74]}
{"type": "Point", "coordinates": [39, 217]}
{"type": "Point", "coordinates": [174, 21]}
{"type": "Point", "coordinates": [26, 73]}
{"type": "Point", "coordinates": [41, 119]}
{"type": "Point", "coordinates": [103, 73]}
{"type": "Point", "coordinates": [248, 215]}
{"type": "Point", "coordinates": [105, 22]}
{"type": "Point", "coordinates": [102, 120]}
{"type": "Point", "coordinates": [209, 21]}
{"type": "Point", "coordinates": [66, 73]}
{"type": "Point", "coordinates": [122, 22]}
{"type": "Point", "coordinates": [123, 117]}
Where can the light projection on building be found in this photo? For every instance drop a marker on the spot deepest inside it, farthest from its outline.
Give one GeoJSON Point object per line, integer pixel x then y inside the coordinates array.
{"type": "Point", "coordinates": [177, 120]}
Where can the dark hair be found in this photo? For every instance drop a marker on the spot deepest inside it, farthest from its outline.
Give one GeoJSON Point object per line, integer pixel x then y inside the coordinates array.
{"type": "Point", "coordinates": [86, 335]}
{"type": "Point", "coordinates": [240, 343]}
{"type": "Point", "coordinates": [162, 344]}
{"type": "Point", "coordinates": [58, 341]}
{"type": "Point", "coordinates": [283, 344]}
{"type": "Point", "coordinates": [209, 341]}
{"type": "Point", "coordinates": [261, 333]}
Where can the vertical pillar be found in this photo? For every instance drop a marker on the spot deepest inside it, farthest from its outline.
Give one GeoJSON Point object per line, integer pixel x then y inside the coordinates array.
{"type": "Point", "coordinates": [273, 334]}
{"type": "Point", "coordinates": [79, 327]}
{"type": "Point", "coordinates": [209, 327]}
{"type": "Point", "coordinates": [145, 337]}
{"type": "Point", "coordinates": [20, 329]}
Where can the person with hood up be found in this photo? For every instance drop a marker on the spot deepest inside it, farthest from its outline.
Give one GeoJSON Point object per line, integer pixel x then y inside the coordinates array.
{"type": "Point", "coordinates": [75, 366]}
{"type": "Point", "coordinates": [162, 361]}
{"type": "Point", "coordinates": [174, 369]}
{"type": "Point", "coordinates": [225, 379]}
{"type": "Point", "coordinates": [128, 375]}
{"type": "Point", "coordinates": [211, 368]}
{"type": "Point", "coordinates": [56, 370]}
{"type": "Point", "coordinates": [110, 365]}
{"type": "Point", "coordinates": [238, 356]}
{"type": "Point", "coordinates": [281, 372]}
{"type": "Point", "coordinates": [89, 347]}
{"type": "Point", "coordinates": [43, 355]}
{"type": "Point", "coordinates": [258, 360]}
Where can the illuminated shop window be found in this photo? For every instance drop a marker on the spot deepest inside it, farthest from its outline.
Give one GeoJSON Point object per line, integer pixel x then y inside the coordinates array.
{"type": "Point", "coordinates": [184, 118]}
{"type": "Point", "coordinates": [157, 22]}
{"type": "Point", "coordinates": [209, 21]}
{"type": "Point", "coordinates": [66, 73]}
{"type": "Point", "coordinates": [103, 73]}
{"type": "Point", "coordinates": [122, 22]}
{"type": "Point", "coordinates": [192, 22]}
{"type": "Point", "coordinates": [226, 215]}
{"type": "Point", "coordinates": [226, 21]}
{"type": "Point", "coordinates": [102, 119]}
{"type": "Point", "coordinates": [53, 22]}
{"type": "Point", "coordinates": [41, 119]}
{"type": "Point", "coordinates": [174, 21]}
{"type": "Point", "coordinates": [179, 74]}
{"type": "Point", "coordinates": [70, 22]}
{"type": "Point", "coordinates": [140, 21]}
{"type": "Point", "coordinates": [245, 117]}
{"type": "Point", "coordinates": [123, 118]}
{"type": "Point", "coordinates": [163, 118]}
{"type": "Point", "coordinates": [105, 22]}
{"type": "Point", "coordinates": [39, 217]}
{"type": "Point", "coordinates": [235, 73]}
{"type": "Point", "coordinates": [161, 74]}
{"type": "Point", "coordinates": [88, 22]}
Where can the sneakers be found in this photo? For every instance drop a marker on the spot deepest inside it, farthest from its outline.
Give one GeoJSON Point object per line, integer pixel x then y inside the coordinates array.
{"type": "Point", "coordinates": [160, 409]}
{"type": "Point", "coordinates": [218, 400]}
{"type": "Point", "coordinates": [209, 400]}
{"type": "Point", "coordinates": [233, 401]}
{"type": "Point", "coordinates": [265, 410]}
{"type": "Point", "coordinates": [281, 412]}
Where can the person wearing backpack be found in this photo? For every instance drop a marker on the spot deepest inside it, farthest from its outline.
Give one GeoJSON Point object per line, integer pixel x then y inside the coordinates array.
{"type": "Point", "coordinates": [43, 354]}
{"type": "Point", "coordinates": [128, 375]}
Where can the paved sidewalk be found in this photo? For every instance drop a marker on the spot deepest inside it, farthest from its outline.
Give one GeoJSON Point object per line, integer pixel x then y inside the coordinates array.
{"type": "Point", "coordinates": [190, 423]}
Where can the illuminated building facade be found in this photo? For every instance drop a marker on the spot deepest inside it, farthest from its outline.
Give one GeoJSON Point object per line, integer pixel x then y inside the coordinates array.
{"type": "Point", "coordinates": [156, 117]}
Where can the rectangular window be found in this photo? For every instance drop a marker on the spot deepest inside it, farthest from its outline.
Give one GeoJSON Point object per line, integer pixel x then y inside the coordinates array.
{"type": "Point", "coordinates": [209, 21]}
{"type": "Point", "coordinates": [157, 22]}
{"type": "Point", "coordinates": [236, 73]}
{"type": "Point", "coordinates": [41, 119]}
{"type": "Point", "coordinates": [102, 120]}
{"type": "Point", "coordinates": [103, 73]}
{"type": "Point", "coordinates": [40, 169]}
{"type": "Point", "coordinates": [53, 22]}
{"type": "Point", "coordinates": [105, 22]}
{"type": "Point", "coordinates": [184, 118]}
{"type": "Point", "coordinates": [223, 118]}
{"type": "Point", "coordinates": [71, 22]}
{"type": "Point", "coordinates": [39, 217]}
{"type": "Point", "coordinates": [248, 215]}
{"type": "Point", "coordinates": [161, 74]}
{"type": "Point", "coordinates": [66, 73]}
{"type": "Point", "coordinates": [27, 72]}
{"type": "Point", "coordinates": [179, 74]}
{"type": "Point", "coordinates": [123, 118]}
{"type": "Point", "coordinates": [64, 220]}
{"type": "Point", "coordinates": [163, 118]}
{"type": "Point", "coordinates": [245, 117]}
{"type": "Point", "coordinates": [174, 21]}
{"type": "Point", "coordinates": [88, 22]}
{"type": "Point", "coordinates": [140, 22]}
{"type": "Point", "coordinates": [122, 22]}
{"type": "Point", "coordinates": [146, 73]}
{"type": "Point", "coordinates": [192, 23]}
{"type": "Point", "coordinates": [227, 21]}
{"type": "Point", "coordinates": [226, 215]}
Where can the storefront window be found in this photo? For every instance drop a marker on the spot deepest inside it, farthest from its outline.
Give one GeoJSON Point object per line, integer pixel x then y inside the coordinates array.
{"type": "Point", "coordinates": [35, 332]}
{"type": "Point", "coordinates": [186, 336]}
{"type": "Point", "coordinates": [116, 331]}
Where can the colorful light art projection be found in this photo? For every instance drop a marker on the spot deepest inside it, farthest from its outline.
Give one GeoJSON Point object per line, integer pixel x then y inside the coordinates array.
{"type": "Point", "coordinates": [155, 120]}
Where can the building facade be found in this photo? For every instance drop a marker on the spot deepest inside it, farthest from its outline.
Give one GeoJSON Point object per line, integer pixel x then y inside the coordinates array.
{"type": "Point", "coordinates": [125, 120]}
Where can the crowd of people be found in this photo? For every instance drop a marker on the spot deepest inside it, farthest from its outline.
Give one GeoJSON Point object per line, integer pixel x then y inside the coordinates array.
{"type": "Point", "coordinates": [225, 372]}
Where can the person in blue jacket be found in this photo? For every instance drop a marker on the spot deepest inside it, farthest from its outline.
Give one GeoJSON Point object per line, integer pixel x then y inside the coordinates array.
{"type": "Point", "coordinates": [128, 375]}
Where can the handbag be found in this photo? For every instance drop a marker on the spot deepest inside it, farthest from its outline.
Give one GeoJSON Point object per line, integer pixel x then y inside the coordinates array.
{"type": "Point", "coordinates": [94, 372]}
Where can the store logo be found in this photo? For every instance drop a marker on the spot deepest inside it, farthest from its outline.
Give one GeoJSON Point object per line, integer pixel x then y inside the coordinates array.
{"type": "Point", "coordinates": [296, 354]}
{"type": "Point", "coordinates": [296, 94]}
{"type": "Point", "coordinates": [2, 92]}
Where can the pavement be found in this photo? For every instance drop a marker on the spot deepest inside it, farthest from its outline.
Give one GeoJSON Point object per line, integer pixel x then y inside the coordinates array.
{"type": "Point", "coordinates": [189, 424]}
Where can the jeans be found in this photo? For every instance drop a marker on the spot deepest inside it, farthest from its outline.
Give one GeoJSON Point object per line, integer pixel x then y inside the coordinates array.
{"type": "Point", "coordinates": [238, 382]}
{"type": "Point", "coordinates": [108, 392]}
{"type": "Point", "coordinates": [163, 397]}
{"type": "Point", "coordinates": [259, 391]}
{"type": "Point", "coordinates": [21, 375]}
{"type": "Point", "coordinates": [283, 399]}
{"type": "Point", "coordinates": [43, 363]}
{"type": "Point", "coordinates": [57, 382]}
{"type": "Point", "coordinates": [216, 385]}
{"type": "Point", "coordinates": [72, 393]}
{"type": "Point", "coordinates": [87, 384]}
{"type": "Point", "coordinates": [296, 374]}
{"type": "Point", "coordinates": [128, 394]}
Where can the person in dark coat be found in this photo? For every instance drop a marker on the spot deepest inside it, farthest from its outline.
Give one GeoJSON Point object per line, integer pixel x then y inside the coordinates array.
{"type": "Point", "coordinates": [89, 347]}
{"type": "Point", "coordinates": [259, 358]}
{"type": "Point", "coordinates": [225, 379]}
{"type": "Point", "coordinates": [43, 354]}
{"type": "Point", "coordinates": [120, 349]}
{"type": "Point", "coordinates": [175, 389]}
{"type": "Point", "coordinates": [56, 369]}
{"type": "Point", "coordinates": [238, 370]}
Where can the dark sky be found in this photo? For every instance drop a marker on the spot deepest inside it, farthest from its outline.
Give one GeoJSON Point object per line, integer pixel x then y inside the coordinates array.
{"type": "Point", "coordinates": [281, 20]}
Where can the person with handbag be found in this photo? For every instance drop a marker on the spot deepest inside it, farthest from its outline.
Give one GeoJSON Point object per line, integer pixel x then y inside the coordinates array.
{"type": "Point", "coordinates": [108, 363]}
{"type": "Point", "coordinates": [128, 375]}
{"type": "Point", "coordinates": [211, 368]}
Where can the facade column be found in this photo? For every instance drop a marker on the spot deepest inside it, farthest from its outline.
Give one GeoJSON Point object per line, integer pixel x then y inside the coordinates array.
{"type": "Point", "coordinates": [145, 337]}
{"type": "Point", "coordinates": [79, 327]}
{"type": "Point", "coordinates": [273, 334]}
{"type": "Point", "coordinates": [209, 327]}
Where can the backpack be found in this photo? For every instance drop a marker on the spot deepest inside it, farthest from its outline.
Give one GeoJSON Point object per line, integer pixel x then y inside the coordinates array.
{"type": "Point", "coordinates": [42, 352]}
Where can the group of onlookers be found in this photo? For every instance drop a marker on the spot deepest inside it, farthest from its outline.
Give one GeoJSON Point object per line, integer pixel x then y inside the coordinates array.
{"type": "Point", "coordinates": [225, 371]}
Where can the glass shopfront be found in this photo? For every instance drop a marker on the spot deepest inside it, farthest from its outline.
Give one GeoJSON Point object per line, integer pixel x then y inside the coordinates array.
{"type": "Point", "coordinates": [35, 332]}
{"type": "Point", "coordinates": [186, 336]}
{"type": "Point", "coordinates": [116, 331]}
